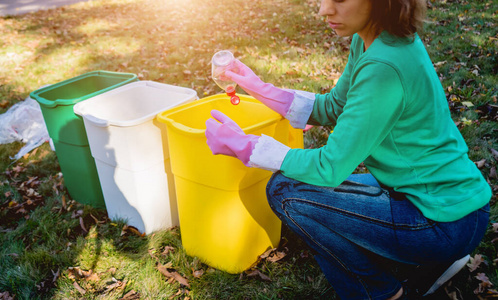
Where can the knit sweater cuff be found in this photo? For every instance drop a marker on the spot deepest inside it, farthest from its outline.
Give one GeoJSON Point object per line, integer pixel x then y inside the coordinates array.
{"type": "Point", "coordinates": [268, 154]}
{"type": "Point", "coordinates": [300, 109]}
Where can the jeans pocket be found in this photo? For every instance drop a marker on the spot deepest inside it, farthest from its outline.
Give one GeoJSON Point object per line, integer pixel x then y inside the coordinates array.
{"type": "Point", "coordinates": [358, 188]}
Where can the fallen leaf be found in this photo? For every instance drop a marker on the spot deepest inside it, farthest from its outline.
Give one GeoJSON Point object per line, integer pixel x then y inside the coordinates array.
{"type": "Point", "coordinates": [6, 296]}
{"type": "Point", "coordinates": [173, 275]}
{"type": "Point", "coordinates": [77, 273]}
{"type": "Point", "coordinates": [82, 225]}
{"type": "Point", "coordinates": [257, 273]}
{"type": "Point", "coordinates": [484, 283]}
{"type": "Point", "coordinates": [272, 255]}
{"type": "Point", "coordinates": [116, 284]}
{"type": "Point", "coordinates": [495, 153]}
{"type": "Point", "coordinates": [475, 262]}
{"type": "Point", "coordinates": [56, 275]}
{"type": "Point", "coordinates": [197, 273]}
{"type": "Point", "coordinates": [440, 63]}
{"type": "Point", "coordinates": [278, 255]}
{"type": "Point", "coordinates": [4, 104]}
{"type": "Point", "coordinates": [480, 163]}
{"type": "Point", "coordinates": [131, 295]}
{"type": "Point", "coordinates": [130, 229]}
{"type": "Point", "coordinates": [76, 214]}
{"type": "Point", "coordinates": [492, 172]}
{"type": "Point", "coordinates": [453, 292]}
{"type": "Point", "coordinates": [167, 250]}
{"type": "Point", "coordinates": [267, 253]}
{"type": "Point", "coordinates": [79, 288]}
{"type": "Point", "coordinates": [96, 220]}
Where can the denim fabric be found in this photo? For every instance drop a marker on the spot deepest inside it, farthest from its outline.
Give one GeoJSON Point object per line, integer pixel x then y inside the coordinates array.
{"type": "Point", "coordinates": [356, 226]}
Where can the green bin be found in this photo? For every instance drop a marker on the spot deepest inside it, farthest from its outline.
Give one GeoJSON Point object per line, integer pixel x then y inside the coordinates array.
{"type": "Point", "coordinates": [68, 131]}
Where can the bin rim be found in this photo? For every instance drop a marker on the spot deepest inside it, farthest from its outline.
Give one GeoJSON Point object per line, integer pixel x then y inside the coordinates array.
{"type": "Point", "coordinates": [79, 108]}
{"type": "Point", "coordinates": [53, 103]}
{"type": "Point", "coordinates": [163, 116]}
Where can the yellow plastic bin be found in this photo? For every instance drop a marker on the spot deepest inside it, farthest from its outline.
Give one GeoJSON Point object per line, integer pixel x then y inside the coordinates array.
{"type": "Point", "coordinates": [225, 219]}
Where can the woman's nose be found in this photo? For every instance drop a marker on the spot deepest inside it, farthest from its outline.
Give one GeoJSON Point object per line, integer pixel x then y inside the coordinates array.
{"type": "Point", "coordinates": [326, 8]}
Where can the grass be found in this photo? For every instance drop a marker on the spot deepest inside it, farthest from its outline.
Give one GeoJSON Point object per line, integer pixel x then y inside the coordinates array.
{"type": "Point", "coordinates": [52, 247]}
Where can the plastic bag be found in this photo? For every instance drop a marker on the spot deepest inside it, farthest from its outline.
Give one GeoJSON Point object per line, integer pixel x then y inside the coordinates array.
{"type": "Point", "coordinates": [23, 122]}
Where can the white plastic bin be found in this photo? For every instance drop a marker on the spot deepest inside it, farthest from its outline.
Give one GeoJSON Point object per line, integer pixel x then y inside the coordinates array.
{"type": "Point", "coordinates": [131, 151]}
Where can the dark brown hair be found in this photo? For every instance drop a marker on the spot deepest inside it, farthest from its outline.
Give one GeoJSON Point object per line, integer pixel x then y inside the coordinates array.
{"type": "Point", "coordinates": [402, 18]}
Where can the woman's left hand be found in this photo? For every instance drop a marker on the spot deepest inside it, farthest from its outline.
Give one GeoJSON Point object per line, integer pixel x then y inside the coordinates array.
{"type": "Point", "coordinates": [224, 136]}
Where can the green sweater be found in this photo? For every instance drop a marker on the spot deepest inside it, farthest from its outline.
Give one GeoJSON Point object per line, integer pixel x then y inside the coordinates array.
{"type": "Point", "coordinates": [389, 111]}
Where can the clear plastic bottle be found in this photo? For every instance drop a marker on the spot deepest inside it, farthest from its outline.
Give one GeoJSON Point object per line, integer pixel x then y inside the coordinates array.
{"type": "Point", "coordinates": [222, 61]}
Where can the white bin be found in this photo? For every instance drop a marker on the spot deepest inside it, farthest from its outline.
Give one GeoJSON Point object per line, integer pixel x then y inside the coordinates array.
{"type": "Point", "coordinates": [131, 151]}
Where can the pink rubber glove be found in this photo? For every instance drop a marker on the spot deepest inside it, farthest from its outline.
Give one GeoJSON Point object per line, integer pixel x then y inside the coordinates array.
{"type": "Point", "coordinates": [277, 99]}
{"type": "Point", "coordinates": [228, 138]}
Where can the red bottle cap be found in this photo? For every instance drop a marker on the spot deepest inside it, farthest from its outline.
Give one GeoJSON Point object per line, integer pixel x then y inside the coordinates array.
{"type": "Point", "coordinates": [234, 99]}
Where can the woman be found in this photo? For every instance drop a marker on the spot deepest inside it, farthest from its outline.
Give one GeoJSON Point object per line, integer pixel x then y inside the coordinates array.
{"type": "Point", "coordinates": [424, 203]}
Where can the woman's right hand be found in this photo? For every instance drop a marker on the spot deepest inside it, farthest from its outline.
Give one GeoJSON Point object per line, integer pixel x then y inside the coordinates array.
{"type": "Point", "coordinates": [275, 98]}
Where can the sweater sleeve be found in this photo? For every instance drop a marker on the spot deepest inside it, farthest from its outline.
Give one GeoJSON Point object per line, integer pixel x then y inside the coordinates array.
{"type": "Point", "coordinates": [374, 103]}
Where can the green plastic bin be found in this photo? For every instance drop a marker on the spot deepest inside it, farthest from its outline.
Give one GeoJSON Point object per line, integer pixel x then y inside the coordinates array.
{"type": "Point", "coordinates": [68, 131]}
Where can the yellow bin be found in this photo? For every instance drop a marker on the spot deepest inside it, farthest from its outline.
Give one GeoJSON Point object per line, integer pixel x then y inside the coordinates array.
{"type": "Point", "coordinates": [225, 219]}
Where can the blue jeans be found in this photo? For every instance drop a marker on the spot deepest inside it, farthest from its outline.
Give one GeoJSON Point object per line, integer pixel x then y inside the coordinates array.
{"type": "Point", "coordinates": [356, 226]}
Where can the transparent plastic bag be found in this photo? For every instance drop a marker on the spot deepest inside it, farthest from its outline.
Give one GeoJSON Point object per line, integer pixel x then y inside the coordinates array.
{"type": "Point", "coordinates": [23, 122]}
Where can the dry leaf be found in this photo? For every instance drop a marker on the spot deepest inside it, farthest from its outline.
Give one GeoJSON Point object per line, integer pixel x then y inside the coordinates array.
{"type": "Point", "coordinates": [495, 153]}
{"type": "Point", "coordinates": [79, 288]}
{"type": "Point", "coordinates": [492, 172]}
{"type": "Point", "coordinates": [197, 273]}
{"type": "Point", "coordinates": [76, 214]}
{"type": "Point", "coordinates": [82, 225]}
{"type": "Point", "coordinates": [77, 273]}
{"type": "Point", "coordinates": [131, 295]}
{"type": "Point", "coordinates": [484, 283]}
{"type": "Point", "coordinates": [255, 272]}
{"type": "Point", "coordinates": [267, 253]}
{"type": "Point", "coordinates": [173, 275]}
{"type": "Point", "coordinates": [272, 255]}
{"type": "Point", "coordinates": [130, 229]}
{"type": "Point", "coordinates": [4, 104]}
{"type": "Point", "coordinates": [116, 284]}
{"type": "Point", "coordinates": [453, 292]}
{"type": "Point", "coordinates": [480, 163]}
{"type": "Point", "coordinates": [277, 256]}
{"type": "Point", "coordinates": [96, 220]}
{"type": "Point", "coordinates": [475, 262]}
{"type": "Point", "coordinates": [152, 253]}
{"type": "Point", "coordinates": [56, 275]}
{"type": "Point", "coordinates": [6, 296]}
{"type": "Point", "coordinates": [167, 250]}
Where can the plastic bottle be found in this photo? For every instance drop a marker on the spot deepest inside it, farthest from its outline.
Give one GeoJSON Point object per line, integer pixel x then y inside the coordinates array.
{"type": "Point", "coordinates": [222, 61]}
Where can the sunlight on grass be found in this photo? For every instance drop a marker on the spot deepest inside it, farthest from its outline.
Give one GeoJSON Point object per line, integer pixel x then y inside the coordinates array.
{"type": "Point", "coordinates": [92, 27]}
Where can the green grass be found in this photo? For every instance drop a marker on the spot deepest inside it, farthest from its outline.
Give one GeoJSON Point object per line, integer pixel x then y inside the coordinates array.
{"type": "Point", "coordinates": [42, 243]}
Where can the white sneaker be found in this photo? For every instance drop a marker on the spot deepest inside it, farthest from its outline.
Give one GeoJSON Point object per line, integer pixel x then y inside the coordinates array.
{"type": "Point", "coordinates": [448, 274]}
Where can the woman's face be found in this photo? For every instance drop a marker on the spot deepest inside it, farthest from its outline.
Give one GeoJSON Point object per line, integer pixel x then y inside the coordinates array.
{"type": "Point", "coordinates": [347, 17]}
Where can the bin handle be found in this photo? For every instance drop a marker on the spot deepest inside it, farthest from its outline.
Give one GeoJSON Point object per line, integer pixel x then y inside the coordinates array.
{"type": "Point", "coordinates": [97, 121]}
